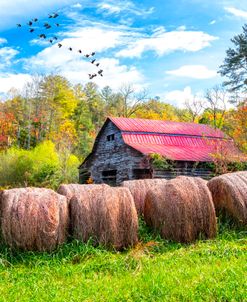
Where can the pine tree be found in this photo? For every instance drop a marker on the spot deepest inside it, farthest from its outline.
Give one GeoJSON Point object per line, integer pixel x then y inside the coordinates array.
{"type": "Point", "coordinates": [235, 63]}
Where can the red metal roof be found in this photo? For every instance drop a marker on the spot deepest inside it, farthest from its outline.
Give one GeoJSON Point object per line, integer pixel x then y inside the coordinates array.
{"type": "Point", "coordinates": [174, 140]}
{"type": "Point", "coordinates": [165, 127]}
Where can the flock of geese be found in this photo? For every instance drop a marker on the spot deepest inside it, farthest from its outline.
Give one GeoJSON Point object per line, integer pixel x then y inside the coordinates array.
{"type": "Point", "coordinates": [31, 28]}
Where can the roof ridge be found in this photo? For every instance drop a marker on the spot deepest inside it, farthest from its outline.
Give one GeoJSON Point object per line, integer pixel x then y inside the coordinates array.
{"type": "Point", "coordinates": [175, 134]}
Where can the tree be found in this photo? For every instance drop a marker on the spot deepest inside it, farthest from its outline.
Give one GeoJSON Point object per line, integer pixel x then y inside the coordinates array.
{"type": "Point", "coordinates": [235, 63]}
{"type": "Point", "coordinates": [83, 123]}
{"type": "Point", "coordinates": [95, 103]}
{"type": "Point", "coordinates": [216, 102]}
{"type": "Point", "coordinates": [194, 107]}
{"type": "Point", "coordinates": [131, 100]}
{"type": "Point", "coordinates": [157, 110]}
{"type": "Point", "coordinates": [236, 123]}
{"type": "Point", "coordinates": [7, 129]}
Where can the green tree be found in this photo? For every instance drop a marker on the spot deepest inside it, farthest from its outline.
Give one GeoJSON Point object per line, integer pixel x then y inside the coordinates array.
{"type": "Point", "coordinates": [235, 63]}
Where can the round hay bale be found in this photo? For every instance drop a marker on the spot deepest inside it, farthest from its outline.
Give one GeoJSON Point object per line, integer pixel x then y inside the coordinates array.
{"type": "Point", "coordinates": [72, 190]}
{"type": "Point", "coordinates": [139, 189]}
{"type": "Point", "coordinates": [181, 210]}
{"type": "Point", "coordinates": [33, 219]}
{"type": "Point", "coordinates": [229, 193]}
{"type": "Point", "coordinates": [105, 214]}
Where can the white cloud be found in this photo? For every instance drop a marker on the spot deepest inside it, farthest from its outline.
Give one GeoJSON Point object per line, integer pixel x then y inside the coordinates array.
{"type": "Point", "coordinates": [2, 41]}
{"type": "Point", "coordinates": [115, 7]}
{"type": "Point", "coordinates": [236, 12]}
{"type": "Point", "coordinates": [163, 42]}
{"type": "Point", "coordinates": [10, 80]}
{"type": "Point", "coordinates": [6, 56]}
{"type": "Point", "coordinates": [94, 38]}
{"type": "Point", "coordinates": [76, 69]}
{"type": "Point", "coordinates": [179, 97]}
{"type": "Point", "coordinates": [193, 71]}
{"type": "Point", "coordinates": [77, 5]}
{"type": "Point", "coordinates": [182, 28]}
{"type": "Point", "coordinates": [115, 74]}
{"type": "Point", "coordinates": [109, 8]}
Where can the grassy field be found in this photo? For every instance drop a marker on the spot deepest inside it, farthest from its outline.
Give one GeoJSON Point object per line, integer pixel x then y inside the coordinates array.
{"type": "Point", "coordinates": [155, 270]}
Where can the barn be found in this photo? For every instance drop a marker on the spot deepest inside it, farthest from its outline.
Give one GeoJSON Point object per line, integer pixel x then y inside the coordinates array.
{"type": "Point", "coordinates": [132, 148]}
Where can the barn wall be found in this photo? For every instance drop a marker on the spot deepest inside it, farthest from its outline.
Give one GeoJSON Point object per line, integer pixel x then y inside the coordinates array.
{"type": "Point", "coordinates": [113, 155]}
{"type": "Point", "coordinates": [184, 168]}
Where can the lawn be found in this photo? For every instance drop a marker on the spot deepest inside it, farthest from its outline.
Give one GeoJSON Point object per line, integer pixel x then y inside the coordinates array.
{"type": "Point", "coordinates": [156, 270]}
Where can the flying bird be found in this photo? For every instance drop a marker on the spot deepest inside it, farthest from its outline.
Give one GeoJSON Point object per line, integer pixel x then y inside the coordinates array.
{"type": "Point", "coordinates": [100, 72]}
{"type": "Point", "coordinates": [60, 45]}
{"type": "Point", "coordinates": [31, 30]}
{"type": "Point", "coordinates": [42, 36]}
{"type": "Point", "coordinates": [50, 16]}
{"type": "Point", "coordinates": [51, 41]}
{"type": "Point", "coordinates": [87, 55]}
{"type": "Point", "coordinates": [30, 23]}
{"type": "Point", "coordinates": [70, 48]}
{"type": "Point", "coordinates": [18, 25]}
{"type": "Point", "coordinates": [91, 76]}
{"type": "Point", "coordinates": [47, 25]}
{"type": "Point", "coordinates": [93, 54]}
{"type": "Point", "coordinates": [79, 51]}
{"type": "Point", "coordinates": [55, 38]}
{"type": "Point", "coordinates": [35, 20]}
{"type": "Point", "coordinates": [97, 64]}
{"type": "Point", "coordinates": [55, 15]}
{"type": "Point", "coordinates": [93, 61]}
{"type": "Point", "coordinates": [57, 24]}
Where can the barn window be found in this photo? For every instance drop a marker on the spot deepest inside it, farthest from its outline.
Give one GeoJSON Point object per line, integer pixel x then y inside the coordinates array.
{"type": "Point", "coordinates": [109, 177]}
{"type": "Point", "coordinates": [110, 137]}
{"type": "Point", "coordinates": [142, 173]}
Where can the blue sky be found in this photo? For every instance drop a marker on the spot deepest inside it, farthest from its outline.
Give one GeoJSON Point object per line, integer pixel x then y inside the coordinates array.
{"type": "Point", "coordinates": [171, 48]}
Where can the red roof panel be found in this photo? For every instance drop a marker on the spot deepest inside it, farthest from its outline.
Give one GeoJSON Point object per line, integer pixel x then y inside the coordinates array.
{"type": "Point", "coordinates": [168, 127]}
{"type": "Point", "coordinates": [178, 148]}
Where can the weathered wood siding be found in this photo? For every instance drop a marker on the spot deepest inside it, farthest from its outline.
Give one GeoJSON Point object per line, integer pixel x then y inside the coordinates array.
{"type": "Point", "coordinates": [185, 168]}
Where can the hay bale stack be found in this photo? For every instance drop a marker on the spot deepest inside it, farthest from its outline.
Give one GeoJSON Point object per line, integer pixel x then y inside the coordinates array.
{"type": "Point", "coordinates": [181, 210]}
{"type": "Point", "coordinates": [105, 214]}
{"type": "Point", "coordinates": [33, 219]}
{"type": "Point", "coordinates": [139, 189]}
{"type": "Point", "coordinates": [229, 193]}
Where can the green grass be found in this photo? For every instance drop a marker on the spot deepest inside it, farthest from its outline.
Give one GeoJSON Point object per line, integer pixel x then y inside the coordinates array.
{"type": "Point", "coordinates": [156, 270]}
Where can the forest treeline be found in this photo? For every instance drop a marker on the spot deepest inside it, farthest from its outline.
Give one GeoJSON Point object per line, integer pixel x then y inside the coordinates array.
{"type": "Point", "coordinates": [49, 128]}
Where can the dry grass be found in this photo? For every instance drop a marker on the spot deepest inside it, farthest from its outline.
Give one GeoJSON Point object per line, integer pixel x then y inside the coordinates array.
{"type": "Point", "coordinates": [139, 189]}
{"type": "Point", "coordinates": [181, 210]}
{"type": "Point", "coordinates": [229, 193]}
{"type": "Point", "coordinates": [33, 219]}
{"type": "Point", "coordinates": [106, 214]}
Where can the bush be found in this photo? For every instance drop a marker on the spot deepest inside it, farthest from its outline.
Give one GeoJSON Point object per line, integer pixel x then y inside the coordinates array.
{"type": "Point", "coordinates": [41, 166]}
